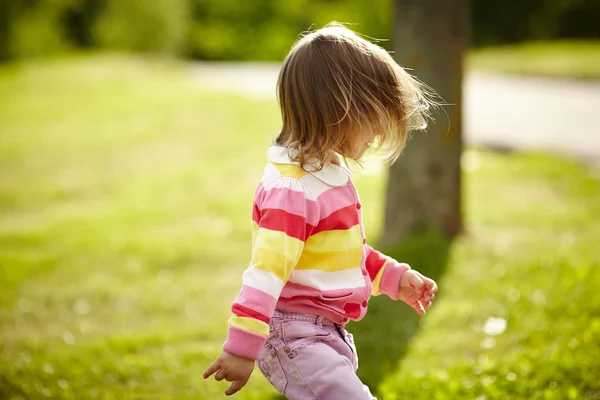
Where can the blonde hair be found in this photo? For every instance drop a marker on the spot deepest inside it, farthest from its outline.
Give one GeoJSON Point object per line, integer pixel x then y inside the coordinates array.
{"type": "Point", "coordinates": [334, 84]}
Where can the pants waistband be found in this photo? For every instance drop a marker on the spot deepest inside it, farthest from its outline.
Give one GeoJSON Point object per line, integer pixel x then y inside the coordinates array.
{"type": "Point", "coordinates": [303, 317]}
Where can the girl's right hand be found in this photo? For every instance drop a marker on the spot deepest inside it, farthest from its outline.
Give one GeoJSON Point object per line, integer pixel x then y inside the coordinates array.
{"type": "Point", "coordinates": [417, 291]}
{"type": "Point", "coordinates": [232, 368]}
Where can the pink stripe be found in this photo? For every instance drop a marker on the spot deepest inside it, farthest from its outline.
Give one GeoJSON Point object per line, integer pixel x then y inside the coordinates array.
{"type": "Point", "coordinates": [293, 294]}
{"type": "Point", "coordinates": [256, 300]}
{"type": "Point", "coordinates": [292, 202]}
{"type": "Point", "coordinates": [374, 261]}
{"type": "Point", "coordinates": [242, 311]}
{"type": "Point", "coordinates": [344, 218]}
{"type": "Point", "coordinates": [292, 289]}
{"type": "Point", "coordinates": [279, 220]}
{"type": "Point", "coordinates": [311, 307]}
{"type": "Point", "coordinates": [308, 306]}
{"type": "Point", "coordinates": [390, 280]}
{"type": "Point", "coordinates": [243, 343]}
{"type": "Point", "coordinates": [334, 199]}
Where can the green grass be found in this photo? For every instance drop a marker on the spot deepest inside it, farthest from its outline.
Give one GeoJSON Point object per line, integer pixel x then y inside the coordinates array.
{"type": "Point", "coordinates": [125, 193]}
{"type": "Point", "coordinates": [563, 59]}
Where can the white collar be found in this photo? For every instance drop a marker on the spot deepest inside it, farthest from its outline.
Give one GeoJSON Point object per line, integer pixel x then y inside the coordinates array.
{"type": "Point", "coordinates": [331, 174]}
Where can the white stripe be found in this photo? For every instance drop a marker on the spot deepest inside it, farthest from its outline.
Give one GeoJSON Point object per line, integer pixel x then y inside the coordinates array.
{"type": "Point", "coordinates": [285, 182]}
{"type": "Point", "coordinates": [331, 174]}
{"type": "Point", "coordinates": [271, 172]}
{"type": "Point", "coordinates": [312, 186]}
{"type": "Point", "coordinates": [315, 187]}
{"type": "Point", "coordinates": [263, 281]}
{"type": "Point", "coordinates": [322, 280]}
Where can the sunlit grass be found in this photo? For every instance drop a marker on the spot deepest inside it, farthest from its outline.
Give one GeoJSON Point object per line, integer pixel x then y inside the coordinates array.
{"type": "Point", "coordinates": [125, 194]}
{"type": "Point", "coordinates": [564, 59]}
{"type": "Point", "coordinates": [530, 258]}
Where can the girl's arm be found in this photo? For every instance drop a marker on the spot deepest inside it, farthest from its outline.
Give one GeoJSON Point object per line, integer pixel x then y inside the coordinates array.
{"type": "Point", "coordinates": [280, 230]}
{"type": "Point", "coordinates": [399, 281]}
{"type": "Point", "coordinates": [385, 273]}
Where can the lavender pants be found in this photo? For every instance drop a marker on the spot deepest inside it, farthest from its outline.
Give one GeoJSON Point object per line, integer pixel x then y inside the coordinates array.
{"type": "Point", "coordinates": [310, 358]}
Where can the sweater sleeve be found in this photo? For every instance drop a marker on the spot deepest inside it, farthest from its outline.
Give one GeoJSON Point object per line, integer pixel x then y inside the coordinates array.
{"type": "Point", "coordinates": [385, 273]}
{"type": "Point", "coordinates": [281, 224]}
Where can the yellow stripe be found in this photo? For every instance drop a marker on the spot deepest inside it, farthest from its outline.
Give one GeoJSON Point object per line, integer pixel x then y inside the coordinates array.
{"type": "Point", "coordinates": [250, 324]}
{"type": "Point", "coordinates": [377, 281]}
{"type": "Point", "coordinates": [274, 263]}
{"type": "Point", "coordinates": [278, 242]}
{"type": "Point", "coordinates": [254, 232]}
{"type": "Point", "coordinates": [335, 240]}
{"type": "Point", "coordinates": [290, 170]}
{"type": "Point", "coordinates": [275, 252]}
{"type": "Point", "coordinates": [330, 261]}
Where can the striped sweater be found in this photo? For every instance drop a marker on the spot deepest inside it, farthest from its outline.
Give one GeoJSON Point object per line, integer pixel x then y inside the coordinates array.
{"type": "Point", "coordinates": [309, 253]}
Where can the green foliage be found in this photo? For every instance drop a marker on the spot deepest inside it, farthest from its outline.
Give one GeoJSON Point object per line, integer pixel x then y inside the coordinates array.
{"type": "Point", "coordinates": [125, 228]}
{"type": "Point", "coordinates": [35, 28]}
{"type": "Point", "coordinates": [139, 25]}
{"type": "Point", "coordinates": [499, 22]}
{"type": "Point", "coordinates": [253, 30]}
{"type": "Point", "coordinates": [266, 29]}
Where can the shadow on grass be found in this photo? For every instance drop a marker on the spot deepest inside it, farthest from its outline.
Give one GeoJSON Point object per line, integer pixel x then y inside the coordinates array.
{"type": "Point", "coordinates": [384, 335]}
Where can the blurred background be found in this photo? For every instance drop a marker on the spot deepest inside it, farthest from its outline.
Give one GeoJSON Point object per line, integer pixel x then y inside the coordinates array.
{"type": "Point", "coordinates": [257, 30]}
{"type": "Point", "coordinates": [133, 133]}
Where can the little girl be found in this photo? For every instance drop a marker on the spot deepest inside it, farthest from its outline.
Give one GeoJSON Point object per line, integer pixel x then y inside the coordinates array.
{"type": "Point", "coordinates": [311, 270]}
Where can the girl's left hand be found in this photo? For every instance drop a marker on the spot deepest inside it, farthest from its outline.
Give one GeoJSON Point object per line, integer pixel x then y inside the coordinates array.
{"type": "Point", "coordinates": [417, 291]}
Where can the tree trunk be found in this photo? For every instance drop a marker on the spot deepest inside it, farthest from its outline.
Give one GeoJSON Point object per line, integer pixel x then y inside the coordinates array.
{"type": "Point", "coordinates": [423, 194]}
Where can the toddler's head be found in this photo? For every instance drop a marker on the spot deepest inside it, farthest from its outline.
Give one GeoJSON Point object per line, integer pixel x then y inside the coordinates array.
{"type": "Point", "coordinates": [340, 93]}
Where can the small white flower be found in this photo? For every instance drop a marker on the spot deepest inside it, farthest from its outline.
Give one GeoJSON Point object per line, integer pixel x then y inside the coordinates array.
{"type": "Point", "coordinates": [494, 326]}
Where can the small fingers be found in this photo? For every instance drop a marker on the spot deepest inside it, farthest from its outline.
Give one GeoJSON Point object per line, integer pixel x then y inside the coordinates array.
{"type": "Point", "coordinates": [214, 367]}
{"type": "Point", "coordinates": [428, 298]}
{"type": "Point", "coordinates": [417, 282]}
{"type": "Point", "coordinates": [431, 286]}
{"type": "Point", "coordinates": [418, 306]}
{"type": "Point", "coordinates": [235, 387]}
{"type": "Point", "coordinates": [220, 375]}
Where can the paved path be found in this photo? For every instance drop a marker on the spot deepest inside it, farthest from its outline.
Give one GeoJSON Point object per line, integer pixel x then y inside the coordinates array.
{"type": "Point", "coordinates": [500, 111]}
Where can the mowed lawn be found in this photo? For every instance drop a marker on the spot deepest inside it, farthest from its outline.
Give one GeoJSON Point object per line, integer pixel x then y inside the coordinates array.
{"type": "Point", "coordinates": [575, 59]}
{"type": "Point", "coordinates": [125, 200]}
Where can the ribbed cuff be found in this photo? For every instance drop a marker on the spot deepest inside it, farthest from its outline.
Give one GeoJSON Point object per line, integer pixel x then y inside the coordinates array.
{"type": "Point", "coordinates": [390, 281]}
{"type": "Point", "coordinates": [243, 343]}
